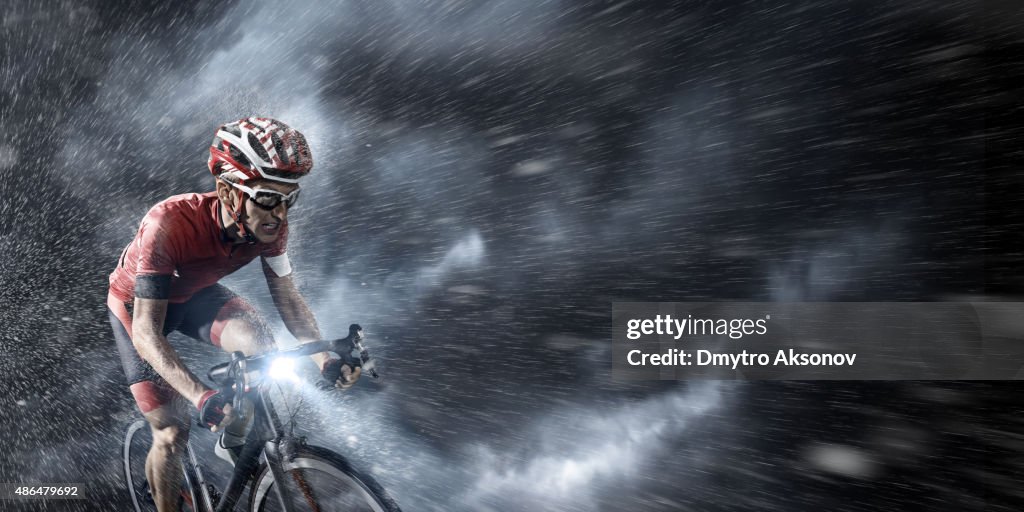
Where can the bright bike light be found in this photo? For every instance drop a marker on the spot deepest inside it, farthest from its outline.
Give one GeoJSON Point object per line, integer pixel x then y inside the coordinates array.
{"type": "Point", "coordinates": [283, 368]}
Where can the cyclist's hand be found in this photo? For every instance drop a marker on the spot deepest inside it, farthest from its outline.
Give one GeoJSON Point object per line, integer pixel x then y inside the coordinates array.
{"type": "Point", "coordinates": [215, 410]}
{"type": "Point", "coordinates": [340, 374]}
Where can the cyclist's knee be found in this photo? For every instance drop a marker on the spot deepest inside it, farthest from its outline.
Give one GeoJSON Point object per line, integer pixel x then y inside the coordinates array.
{"type": "Point", "coordinates": [248, 333]}
{"type": "Point", "coordinates": [170, 439]}
{"type": "Point", "coordinates": [153, 394]}
{"type": "Point", "coordinates": [170, 429]}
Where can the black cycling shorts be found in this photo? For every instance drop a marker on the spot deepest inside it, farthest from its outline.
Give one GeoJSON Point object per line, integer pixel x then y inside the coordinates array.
{"type": "Point", "coordinates": [201, 317]}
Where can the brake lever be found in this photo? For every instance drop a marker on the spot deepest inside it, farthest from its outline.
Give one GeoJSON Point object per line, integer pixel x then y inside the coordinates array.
{"type": "Point", "coordinates": [364, 355]}
{"type": "Point", "coordinates": [240, 377]}
{"type": "Point", "coordinates": [354, 341]}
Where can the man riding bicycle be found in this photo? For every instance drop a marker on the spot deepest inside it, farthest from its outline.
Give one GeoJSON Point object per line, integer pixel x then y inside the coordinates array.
{"type": "Point", "coordinates": [167, 279]}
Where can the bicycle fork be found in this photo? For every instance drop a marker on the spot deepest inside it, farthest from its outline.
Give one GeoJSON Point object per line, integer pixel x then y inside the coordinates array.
{"type": "Point", "coordinates": [273, 455]}
{"type": "Point", "coordinates": [277, 452]}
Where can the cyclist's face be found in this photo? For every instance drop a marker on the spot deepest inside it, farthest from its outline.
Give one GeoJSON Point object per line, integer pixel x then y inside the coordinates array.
{"type": "Point", "coordinates": [265, 224]}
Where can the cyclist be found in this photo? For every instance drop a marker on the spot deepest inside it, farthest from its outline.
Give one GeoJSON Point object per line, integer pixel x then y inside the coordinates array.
{"type": "Point", "coordinates": [166, 280]}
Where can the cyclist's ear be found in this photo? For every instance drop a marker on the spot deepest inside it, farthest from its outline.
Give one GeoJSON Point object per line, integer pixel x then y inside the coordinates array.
{"type": "Point", "coordinates": [224, 194]}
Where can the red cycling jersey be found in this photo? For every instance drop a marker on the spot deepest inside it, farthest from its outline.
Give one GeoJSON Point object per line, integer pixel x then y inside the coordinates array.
{"type": "Point", "coordinates": [182, 236]}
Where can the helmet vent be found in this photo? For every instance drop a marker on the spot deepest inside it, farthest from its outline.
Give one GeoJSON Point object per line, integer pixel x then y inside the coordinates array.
{"type": "Point", "coordinates": [279, 148]}
{"type": "Point", "coordinates": [239, 157]}
{"type": "Point", "coordinates": [261, 152]}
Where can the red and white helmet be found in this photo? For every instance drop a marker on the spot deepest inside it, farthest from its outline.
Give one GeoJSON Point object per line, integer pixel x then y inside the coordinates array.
{"type": "Point", "coordinates": [260, 147]}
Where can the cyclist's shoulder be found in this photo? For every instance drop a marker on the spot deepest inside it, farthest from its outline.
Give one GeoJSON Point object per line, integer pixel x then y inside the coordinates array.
{"type": "Point", "coordinates": [186, 201]}
{"type": "Point", "coordinates": [182, 216]}
{"type": "Point", "coordinates": [182, 206]}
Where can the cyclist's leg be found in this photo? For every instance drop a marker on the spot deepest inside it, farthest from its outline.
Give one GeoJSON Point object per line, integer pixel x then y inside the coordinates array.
{"type": "Point", "coordinates": [170, 425]}
{"type": "Point", "coordinates": [219, 316]}
{"type": "Point", "coordinates": [243, 328]}
{"type": "Point", "coordinates": [164, 409]}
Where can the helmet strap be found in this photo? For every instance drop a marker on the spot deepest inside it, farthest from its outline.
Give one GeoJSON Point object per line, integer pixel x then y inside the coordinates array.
{"type": "Point", "coordinates": [236, 215]}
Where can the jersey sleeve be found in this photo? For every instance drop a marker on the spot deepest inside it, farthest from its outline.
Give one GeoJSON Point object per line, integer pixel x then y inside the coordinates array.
{"type": "Point", "coordinates": [279, 246]}
{"type": "Point", "coordinates": [159, 244]}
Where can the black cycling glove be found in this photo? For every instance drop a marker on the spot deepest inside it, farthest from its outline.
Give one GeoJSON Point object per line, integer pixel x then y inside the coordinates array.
{"type": "Point", "coordinates": [211, 408]}
{"type": "Point", "coordinates": [332, 369]}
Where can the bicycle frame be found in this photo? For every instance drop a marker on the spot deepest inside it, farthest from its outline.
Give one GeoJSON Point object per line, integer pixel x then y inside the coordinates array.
{"type": "Point", "coordinates": [267, 440]}
{"type": "Point", "coordinates": [194, 479]}
{"type": "Point", "coordinates": [267, 437]}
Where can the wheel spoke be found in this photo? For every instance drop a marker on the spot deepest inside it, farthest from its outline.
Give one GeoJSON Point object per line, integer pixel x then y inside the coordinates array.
{"type": "Point", "coordinates": [306, 491]}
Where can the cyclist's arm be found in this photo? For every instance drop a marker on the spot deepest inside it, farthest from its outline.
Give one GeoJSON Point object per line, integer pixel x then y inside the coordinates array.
{"type": "Point", "coordinates": [295, 313]}
{"type": "Point", "coordinates": [152, 345]}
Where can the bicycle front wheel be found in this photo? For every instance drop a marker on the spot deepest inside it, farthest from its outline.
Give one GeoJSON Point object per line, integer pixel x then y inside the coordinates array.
{"type": "Point", "coordinates": [320, 480]}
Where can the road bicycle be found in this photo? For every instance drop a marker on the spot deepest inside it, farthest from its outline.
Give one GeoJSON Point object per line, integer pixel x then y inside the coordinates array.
{"type": "Point", "coordinates": [283, 472]}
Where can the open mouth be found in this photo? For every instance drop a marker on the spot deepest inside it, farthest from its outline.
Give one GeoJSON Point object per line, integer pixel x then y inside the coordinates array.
{"type": "Point", "coordinates": [270, 227]}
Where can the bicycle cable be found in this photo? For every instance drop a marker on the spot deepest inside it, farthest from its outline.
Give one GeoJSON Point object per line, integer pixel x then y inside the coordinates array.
{"type": "Point", "coordinates": [288, 410]}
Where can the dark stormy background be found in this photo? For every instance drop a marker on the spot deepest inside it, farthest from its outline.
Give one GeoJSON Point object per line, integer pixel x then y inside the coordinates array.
{"type": "Point", "coordinates": [489, 177]}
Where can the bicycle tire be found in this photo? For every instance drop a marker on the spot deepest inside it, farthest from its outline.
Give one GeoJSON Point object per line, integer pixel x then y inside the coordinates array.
{"type": "Point", "coordinates": [311, 459]}
{"type": "Point", "coordinates": [134, 465]}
